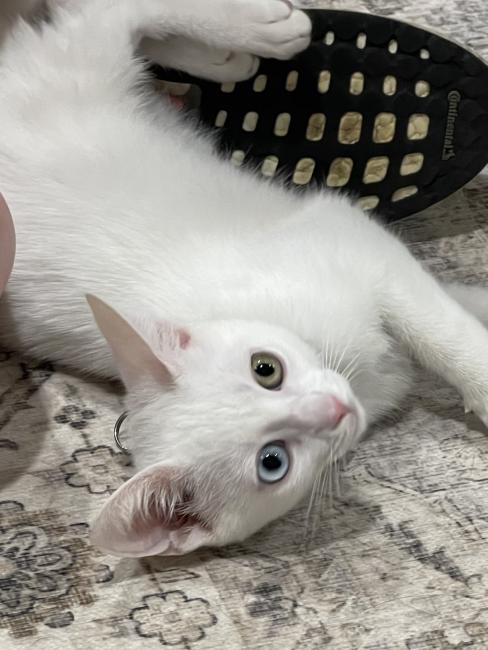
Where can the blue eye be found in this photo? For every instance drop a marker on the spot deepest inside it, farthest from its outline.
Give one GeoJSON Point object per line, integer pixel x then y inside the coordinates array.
{"type": "Point", "coordinates": [273, 463]}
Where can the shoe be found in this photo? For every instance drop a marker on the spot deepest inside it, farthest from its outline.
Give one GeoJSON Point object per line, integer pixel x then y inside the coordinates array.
{"type": "Point", "coordinates": [389, 113]}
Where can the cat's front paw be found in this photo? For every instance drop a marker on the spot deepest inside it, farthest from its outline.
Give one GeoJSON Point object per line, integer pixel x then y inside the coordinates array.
{"type": "Point", "coordinates": [236, 66]}
{"type": "Point", "coordinates": [271, 28]}
{"type": "Point", "coordinates": [200, 60]}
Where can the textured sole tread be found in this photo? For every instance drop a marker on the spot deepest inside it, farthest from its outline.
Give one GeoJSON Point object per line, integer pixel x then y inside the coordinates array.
{"type": "Point", "coordinates": [386, 111]}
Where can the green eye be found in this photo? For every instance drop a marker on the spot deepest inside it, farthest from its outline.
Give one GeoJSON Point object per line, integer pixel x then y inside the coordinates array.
{"type": "Point", "coordinates": [267, 370]}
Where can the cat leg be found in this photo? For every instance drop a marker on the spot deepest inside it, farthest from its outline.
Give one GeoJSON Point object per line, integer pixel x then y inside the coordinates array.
{"type": "Point", "coordinates": [267, 28]}
{"type": "Point", "coordinates": [94, 41]}
{"type": "Point", "coordinates": [437, 330]}
{"type": "Point", "coordinates": [199, 59]}
{"type": "Point", "coordinates": [218, 64]}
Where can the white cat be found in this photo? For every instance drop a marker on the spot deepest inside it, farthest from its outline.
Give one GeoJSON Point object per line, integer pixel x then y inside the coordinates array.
{"type": "Point", "coordinates": [266, 329]}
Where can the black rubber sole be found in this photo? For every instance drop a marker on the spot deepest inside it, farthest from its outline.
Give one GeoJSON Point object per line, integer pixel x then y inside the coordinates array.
{"type": "Point", "coordinates": [389, 112]}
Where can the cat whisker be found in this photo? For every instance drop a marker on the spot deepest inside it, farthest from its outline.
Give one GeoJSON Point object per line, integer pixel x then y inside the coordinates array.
{"type": "Point", "coordinates": [346, 349]}
{"type": "Point", "coordinates": [325, 487]}
{"type": "Point", "coordinates": [357, 373]}
{"type": "Point", "coordinates": [329, 352]}
{"type": "Point", "coordinates": [335, 461]}
{"type": "Point", "coordinates": [325, 352]}
{"type": "Point", "coordinates": [333, 364]}
{"type": "Point", "coordinates": [312, 498]}
{"type": "Point", "coordinates": [341, 358]}
{"type": "Point", "coordinates": [311, 514]}
{"type": "Point", "coordinates": [351, 366]}
{"type": "Point", "coordinates": [337, 476]}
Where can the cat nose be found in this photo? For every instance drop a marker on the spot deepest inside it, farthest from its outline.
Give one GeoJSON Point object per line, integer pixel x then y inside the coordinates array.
{"type": "Point", "coordinates": [323, 411]}
{"type": "Point", "coordinates": [337, 411]}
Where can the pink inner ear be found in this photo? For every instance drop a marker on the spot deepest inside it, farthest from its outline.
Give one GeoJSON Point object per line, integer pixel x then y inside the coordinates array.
{"type": "Point", "coordinates": [148, 515]}
{"type": "Point", "coordinates": [171, 336]}
{"type": "Point", "coordinates": [140, 356]}
{"type": "Point", "coordinates": [184, 338]}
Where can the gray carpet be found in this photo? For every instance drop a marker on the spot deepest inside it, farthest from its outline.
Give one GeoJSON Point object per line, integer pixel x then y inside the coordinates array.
{"type": "Point", "coordinates": [400, 561]}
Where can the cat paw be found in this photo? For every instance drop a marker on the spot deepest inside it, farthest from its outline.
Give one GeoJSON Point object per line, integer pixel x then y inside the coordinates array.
{"type": "Point", "coordinates": [269, 28]}
{"type": "Point", "coordinates": [233, 66]}
{"type": "Point", "coordinates": [201, 60]}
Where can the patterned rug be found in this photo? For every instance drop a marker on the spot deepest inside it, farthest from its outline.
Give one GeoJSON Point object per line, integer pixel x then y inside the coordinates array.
{"type": "Point", "coordinates": [399, 562]}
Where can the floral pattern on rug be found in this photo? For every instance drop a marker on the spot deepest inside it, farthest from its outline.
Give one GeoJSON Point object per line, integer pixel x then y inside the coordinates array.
{"type": "Point", "coordinates": [398, 561]}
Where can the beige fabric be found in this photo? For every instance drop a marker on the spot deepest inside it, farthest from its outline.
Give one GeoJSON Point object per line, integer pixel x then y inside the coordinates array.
{"type": "Point", "coordinates": [400, 562]}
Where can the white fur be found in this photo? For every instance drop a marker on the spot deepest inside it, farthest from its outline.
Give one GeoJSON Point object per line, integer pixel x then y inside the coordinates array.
{"type": "Point", "coordinates": [114, 194]}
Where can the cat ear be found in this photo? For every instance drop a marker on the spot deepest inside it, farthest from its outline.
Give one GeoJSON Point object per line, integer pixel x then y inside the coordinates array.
{"type": "Point", "coordinates": [7, 243]}
{"type": "Point", "coordinates": [151, 514]}
{"type": "Point", "coordinates": [139, 359]}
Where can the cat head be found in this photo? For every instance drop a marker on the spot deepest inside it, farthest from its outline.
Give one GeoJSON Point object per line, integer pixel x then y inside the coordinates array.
{"type": "Point", "coordinates": [229, 424]}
